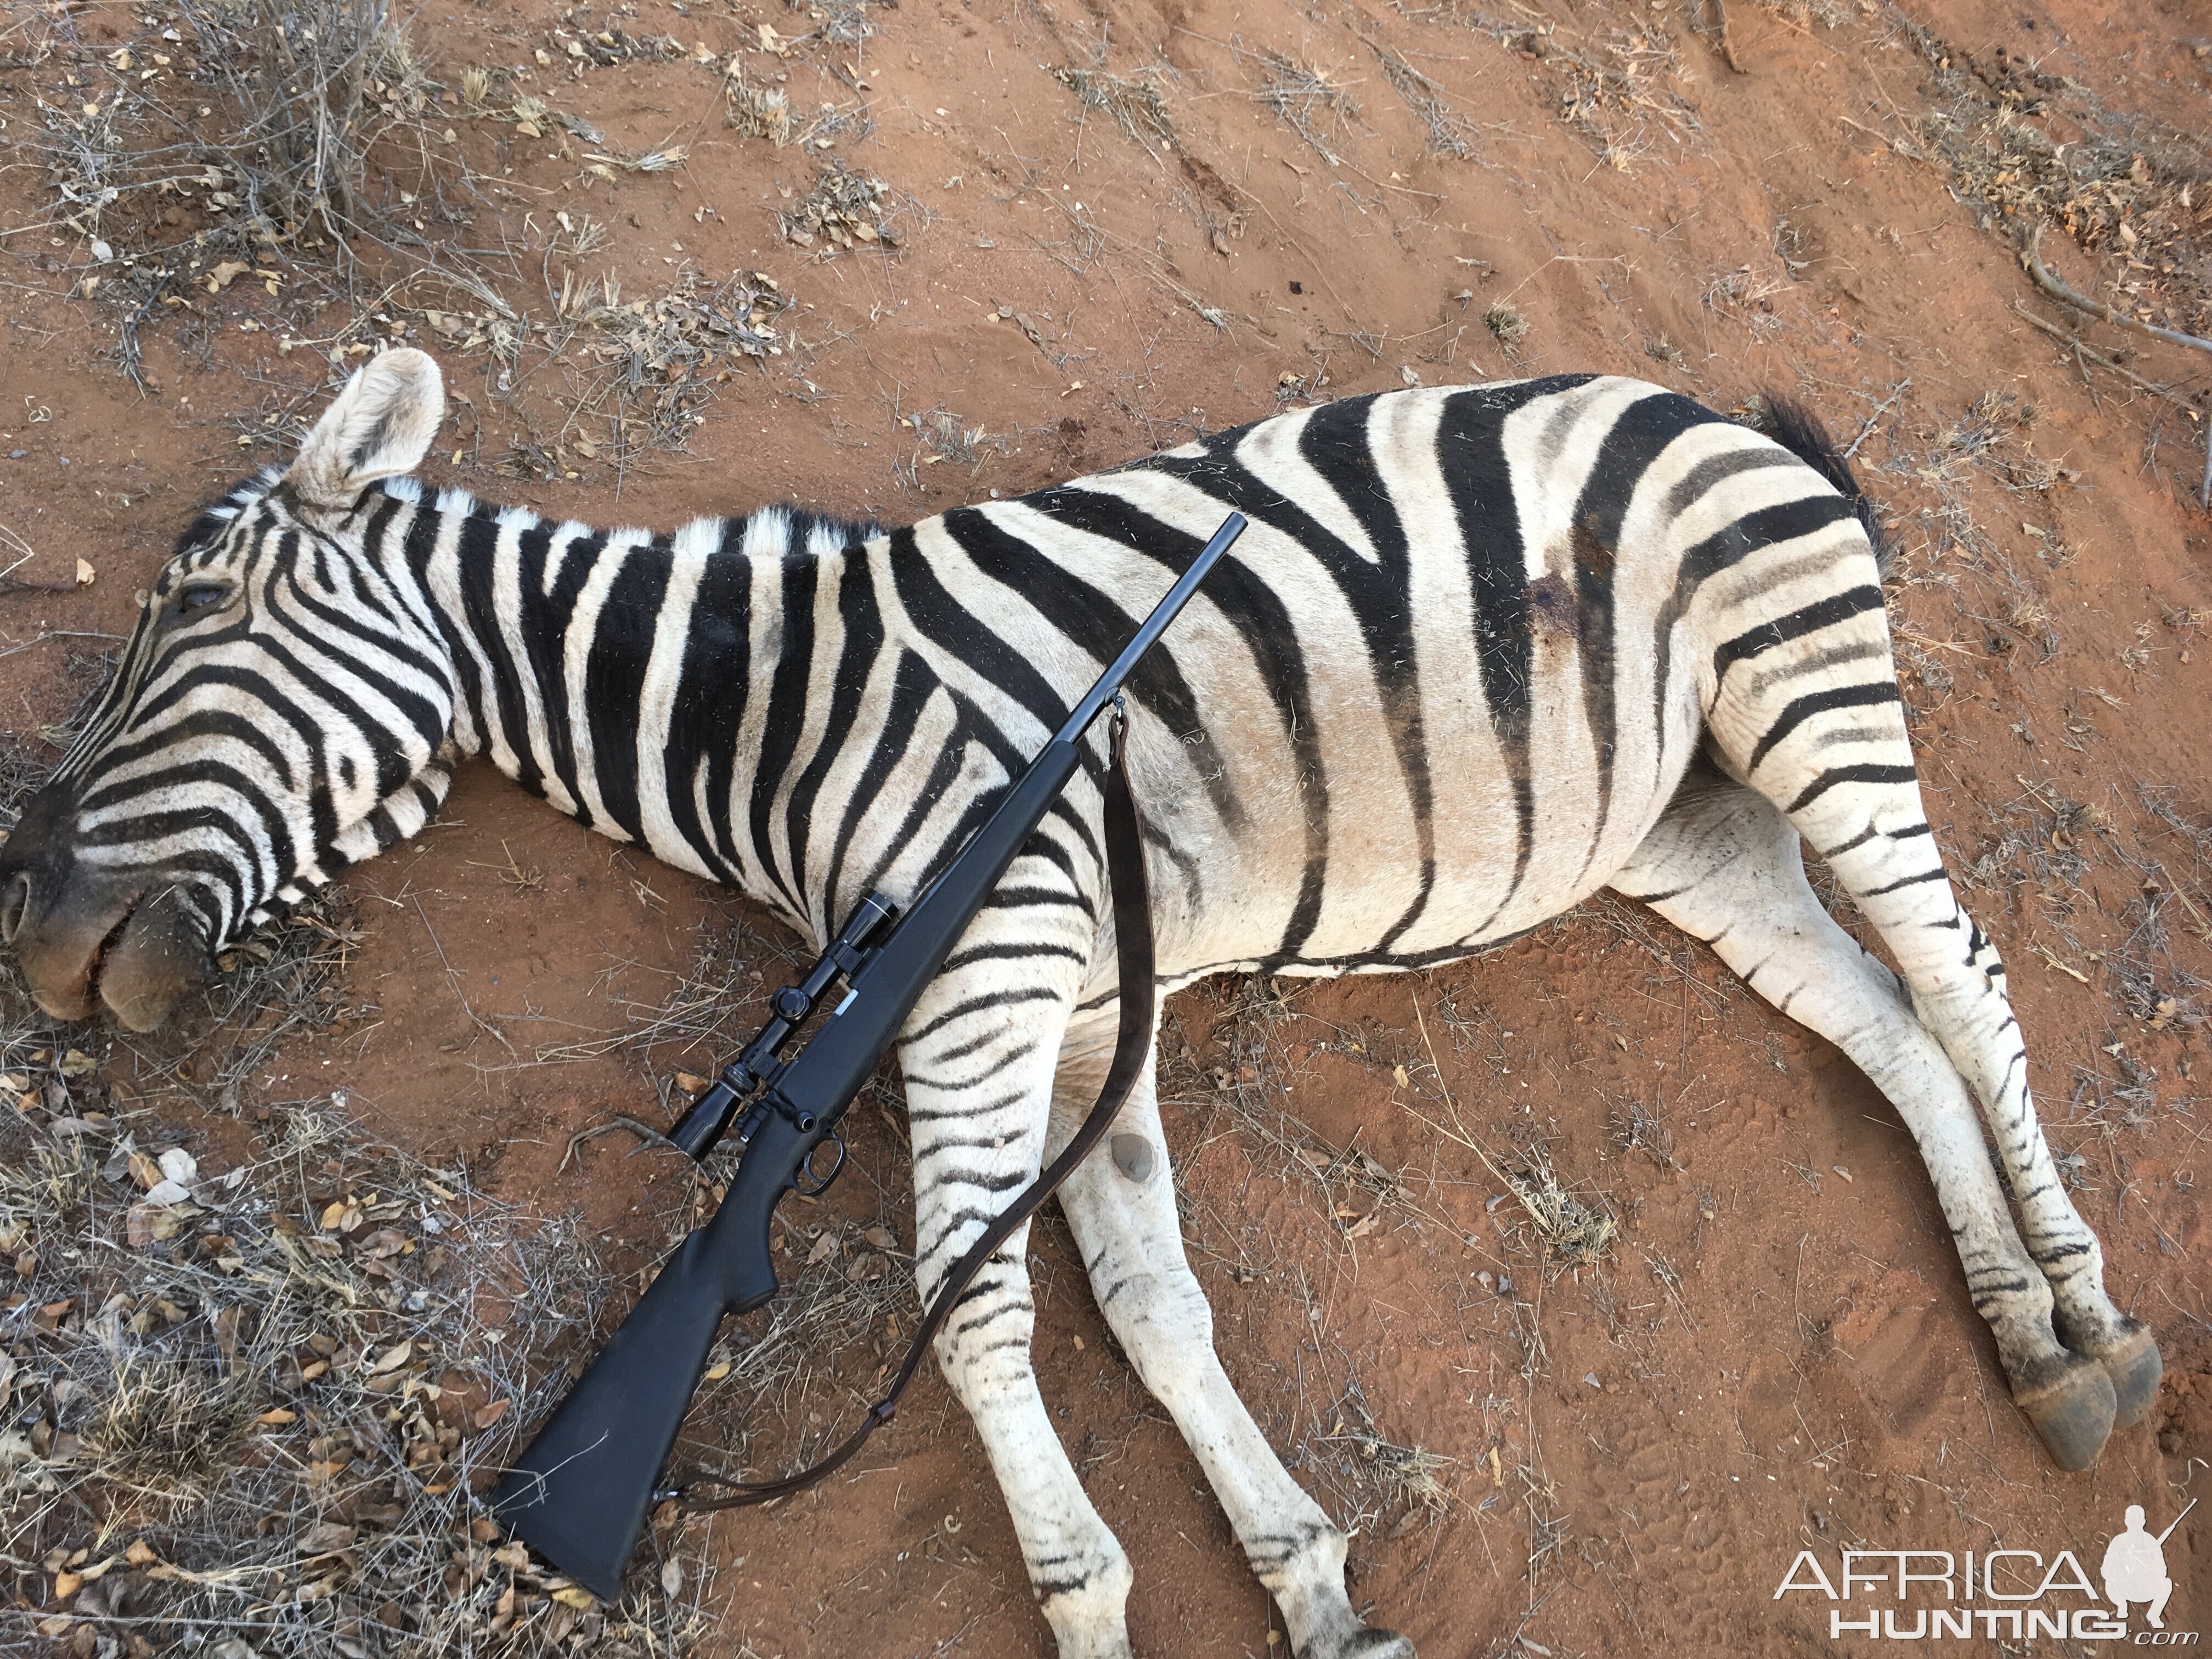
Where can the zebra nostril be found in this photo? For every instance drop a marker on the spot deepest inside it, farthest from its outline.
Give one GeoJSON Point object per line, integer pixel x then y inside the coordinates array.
{"type": "Point", "coordinates": [14, 902]}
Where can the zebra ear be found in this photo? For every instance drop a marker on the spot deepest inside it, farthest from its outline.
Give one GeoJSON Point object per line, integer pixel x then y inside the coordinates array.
{"type": "Point", "coordinates": [381, 425]}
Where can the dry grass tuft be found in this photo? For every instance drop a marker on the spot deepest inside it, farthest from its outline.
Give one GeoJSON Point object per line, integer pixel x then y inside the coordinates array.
{"type": "Point", "coordinates": [258, 1415]}
{"type": "Point", "coordinates": [760, 111]}
{"type": "Point", "coordinates": [1307, 101]}
{"type": "Point", "coordinates": [1448, 133]}
{"type": "Point", "coordinates": [1505, 321]}
{"type": "Point", "coordinates": [304, 106]}
{"type": "Point", "coordinates": [1573, 1229]}
{"type": "Point", "coordinates": [2129, 192]}
{"type": "Point", "coordinates": [845, 206]}
{"type": "Point", "coordinates": [1400, 1480]}
{"type": "Point", "coordinates": [1134, 104]}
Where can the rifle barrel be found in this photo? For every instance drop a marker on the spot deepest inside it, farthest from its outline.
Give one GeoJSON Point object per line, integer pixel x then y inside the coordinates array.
{"type": "Point", "coordinates": [1165, 612]}
{"type": "Point", "coordinates": [2177, 1520]}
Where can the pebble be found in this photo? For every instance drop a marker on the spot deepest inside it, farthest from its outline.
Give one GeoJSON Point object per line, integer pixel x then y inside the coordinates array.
{"type": "Point", "coordinates": [166, 1192]}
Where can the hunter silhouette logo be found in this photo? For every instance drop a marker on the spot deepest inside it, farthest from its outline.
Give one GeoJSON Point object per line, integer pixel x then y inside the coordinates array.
{"type": "Point", "coordinates": [2006, 1594]}
{"type": "Point", "coordinates": [2135, 1567]}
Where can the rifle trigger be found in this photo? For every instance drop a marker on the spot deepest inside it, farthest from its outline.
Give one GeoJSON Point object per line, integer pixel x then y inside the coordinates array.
{"type": "Point", "coordinates": [821, 1182]}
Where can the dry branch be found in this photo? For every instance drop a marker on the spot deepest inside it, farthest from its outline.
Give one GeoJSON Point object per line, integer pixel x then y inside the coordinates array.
{"type": "Point", "coordinates": [2032, 257]}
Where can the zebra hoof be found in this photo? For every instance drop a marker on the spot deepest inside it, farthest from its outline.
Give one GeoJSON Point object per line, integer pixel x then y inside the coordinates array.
{"type": "Point", "coordinates": [2134, 1369]}
{"type": "Point", "coordinates": [2072, 1411]}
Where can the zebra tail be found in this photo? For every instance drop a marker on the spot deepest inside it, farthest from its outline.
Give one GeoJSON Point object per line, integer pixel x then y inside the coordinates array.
{"type": "Point", "coordinates": [1799, 431]}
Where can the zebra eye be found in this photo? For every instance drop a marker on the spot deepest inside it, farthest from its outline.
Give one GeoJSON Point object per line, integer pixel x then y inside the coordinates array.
{"type": "Point", "coordinates": [201, 596]}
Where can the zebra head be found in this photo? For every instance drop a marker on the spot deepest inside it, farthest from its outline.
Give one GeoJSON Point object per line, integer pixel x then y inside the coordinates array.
{"type": "Point", "coordinates": [280, 711]}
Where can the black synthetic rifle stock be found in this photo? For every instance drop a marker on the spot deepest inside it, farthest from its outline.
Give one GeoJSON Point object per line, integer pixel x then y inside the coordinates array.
{"type": "Point", "coordinates": [580, 1491]}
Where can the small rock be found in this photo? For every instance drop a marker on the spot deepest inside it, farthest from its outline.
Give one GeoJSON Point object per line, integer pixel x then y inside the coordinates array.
{"type": "Point", "coordinates": [179, 1164]}
{"type": "Point", "coordinates": [166, 1192]}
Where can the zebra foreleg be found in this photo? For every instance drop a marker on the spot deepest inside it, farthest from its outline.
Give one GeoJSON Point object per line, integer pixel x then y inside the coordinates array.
{"type": "Point", "coordinates": [979, 1077]}
{"type": "Point", "coordinates": [1722, 865]}
{"type": "Point", "coordinates": [1120, 1206]}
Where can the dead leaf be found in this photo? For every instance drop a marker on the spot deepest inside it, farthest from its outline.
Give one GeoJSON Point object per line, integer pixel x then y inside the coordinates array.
{"type": "Point", "coordinates": [825, 1247]}
{"type": "Point", "coordinates": [393, 1359]}
{"type": "Point", "coordinates": [84, 574]}
{"type": "Point", "coordinates": [491, 1413]}
{"type": "Point", "coordinates": [575, 1595]}
{"type": "Point", "coordinates": [226, 273]}
{"type": "Point", "coordinates": [148, 1223]}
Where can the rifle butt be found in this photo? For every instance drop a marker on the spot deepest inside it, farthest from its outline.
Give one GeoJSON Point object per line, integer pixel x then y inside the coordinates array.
{"type": "Point", "coordinates": [578, 1495]}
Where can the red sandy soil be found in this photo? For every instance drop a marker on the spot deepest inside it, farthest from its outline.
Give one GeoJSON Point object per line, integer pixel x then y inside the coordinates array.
{"type": "Point", "coordinates": [1776, 1353]}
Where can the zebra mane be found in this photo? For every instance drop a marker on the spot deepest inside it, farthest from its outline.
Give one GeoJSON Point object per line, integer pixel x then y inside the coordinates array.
{"type": "Point", "coordinates": [241, 495]}
{"type": "Point", "coordinates": [777, 531]}
{"type": "Point", "coordinates": [771, 531]}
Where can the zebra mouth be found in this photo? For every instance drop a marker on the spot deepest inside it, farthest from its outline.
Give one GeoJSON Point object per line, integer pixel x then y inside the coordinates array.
{"type": "Point", "coordinates": [95, 970]}
{"type": "Point", "coordinates": [156, 951]}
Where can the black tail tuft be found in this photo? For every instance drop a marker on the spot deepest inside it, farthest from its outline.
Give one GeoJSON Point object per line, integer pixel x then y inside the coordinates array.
{"type": "Point", "coordinates": [1798, 430]}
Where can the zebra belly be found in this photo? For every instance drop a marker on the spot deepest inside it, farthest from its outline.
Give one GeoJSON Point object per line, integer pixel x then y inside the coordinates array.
{"type": "Point", "coordinates": [1387, 907]}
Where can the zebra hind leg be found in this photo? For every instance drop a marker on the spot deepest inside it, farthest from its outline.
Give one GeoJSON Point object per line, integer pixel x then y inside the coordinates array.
{"type": "Point", "coordinates": [1804, 707]}
{"type": "Point", "coordinates": [1722, 865]}
{"type": "Point", "coordinates": [1121, 1206]}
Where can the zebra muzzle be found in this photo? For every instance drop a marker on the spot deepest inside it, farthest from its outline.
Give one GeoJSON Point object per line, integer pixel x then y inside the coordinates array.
{"type": "Point", "coordinates": [85, 949]}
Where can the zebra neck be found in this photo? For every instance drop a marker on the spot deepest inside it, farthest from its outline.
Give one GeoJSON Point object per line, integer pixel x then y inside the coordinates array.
{"type": "Point", "coordinates": [628, 678]}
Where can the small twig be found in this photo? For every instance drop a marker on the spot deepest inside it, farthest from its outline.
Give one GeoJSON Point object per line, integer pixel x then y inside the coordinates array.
{"type": "Point", "coordinates": [2071, 973]}
{"type": "Point", "coordinates": [454, 980]}
{"type": "Point", "coordinates": [1903, 386]}
{"type": "Point", "coordinates": [2074, 342]}
{"type": "Point", "coordinates": [2058, 290]}
{"type": "Point", "coordinates": [2088, 385]}
{"type": "Point", "coordinates": [652, 1137]}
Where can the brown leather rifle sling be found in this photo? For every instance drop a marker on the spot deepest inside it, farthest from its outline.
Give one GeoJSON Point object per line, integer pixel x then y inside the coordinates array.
{"type": "Point", "coordinates": [1133, 944]}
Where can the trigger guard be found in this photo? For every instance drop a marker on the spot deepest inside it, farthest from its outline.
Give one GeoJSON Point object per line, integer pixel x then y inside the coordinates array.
{"type": "Point", "coordinates": [805, 1174]}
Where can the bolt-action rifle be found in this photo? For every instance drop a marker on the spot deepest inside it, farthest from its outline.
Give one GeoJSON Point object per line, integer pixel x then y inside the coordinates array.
{"type": "Point", "coordinates": [580, 1492]}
